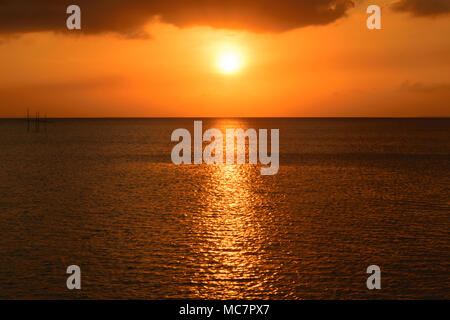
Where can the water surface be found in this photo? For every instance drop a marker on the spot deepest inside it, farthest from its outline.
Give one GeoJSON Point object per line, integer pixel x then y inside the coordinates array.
{"type": "Point", "coordinates": [104, 195]}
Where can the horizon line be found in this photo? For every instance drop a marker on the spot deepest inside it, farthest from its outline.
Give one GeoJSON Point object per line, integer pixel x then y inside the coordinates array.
{"type": "Point", "coordinates": [234, 117]}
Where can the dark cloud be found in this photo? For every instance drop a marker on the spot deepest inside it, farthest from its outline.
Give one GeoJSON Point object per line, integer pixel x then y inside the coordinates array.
{"type": "Point", "coordinates": [128, 17]}
{"type": "Point", "coordinates": [423, 7]}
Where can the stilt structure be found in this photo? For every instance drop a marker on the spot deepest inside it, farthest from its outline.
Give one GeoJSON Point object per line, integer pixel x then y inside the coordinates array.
{"type": "Point", "coordinates": [28, 120]}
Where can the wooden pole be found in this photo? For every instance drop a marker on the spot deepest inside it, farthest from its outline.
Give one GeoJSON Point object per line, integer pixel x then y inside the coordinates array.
{"type": "Point", "coordinates": [28, 120]}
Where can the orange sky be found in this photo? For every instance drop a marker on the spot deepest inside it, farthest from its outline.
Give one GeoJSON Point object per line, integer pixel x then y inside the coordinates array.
{"type": "Point", "coordinates": [337, 69]}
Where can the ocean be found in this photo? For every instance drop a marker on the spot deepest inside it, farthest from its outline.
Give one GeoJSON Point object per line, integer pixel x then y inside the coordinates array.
{"type": "Point", "coordinates": [103, 194]}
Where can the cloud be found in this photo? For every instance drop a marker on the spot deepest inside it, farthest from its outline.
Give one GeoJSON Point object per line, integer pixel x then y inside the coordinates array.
{"type": "Point", "coordinates": [128, 17]}
{"type": "Point", "coordinates": [423, 7]}
{"type": "Point", "coordinates": [418, 87]}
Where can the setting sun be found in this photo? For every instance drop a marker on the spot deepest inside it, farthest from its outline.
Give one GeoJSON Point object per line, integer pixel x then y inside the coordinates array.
{"type": "Point", "coordinates": [229, 62]}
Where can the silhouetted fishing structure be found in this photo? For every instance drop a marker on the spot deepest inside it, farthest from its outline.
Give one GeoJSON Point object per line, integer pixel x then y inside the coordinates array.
{"type": "Point", "coordinates": [28, 120]}
{"type": "Point", "coordinates": [37, 122]}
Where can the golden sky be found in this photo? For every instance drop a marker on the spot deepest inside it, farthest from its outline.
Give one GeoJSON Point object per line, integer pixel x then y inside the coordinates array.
{"type": "Point", "coordinates": [204, 58]}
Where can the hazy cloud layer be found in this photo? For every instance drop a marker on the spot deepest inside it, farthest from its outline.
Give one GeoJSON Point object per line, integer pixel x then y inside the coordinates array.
{"type": "Point", "coordinates": [128, 17]}
{"type": "Point", "coordinates": [423, 7]}
{"type": "Point", "coordinates": [419, 87]}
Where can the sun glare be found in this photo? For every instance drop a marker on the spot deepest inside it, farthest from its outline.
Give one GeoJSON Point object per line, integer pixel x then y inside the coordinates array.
{"type": "Point", "coordinates": [229, 62]}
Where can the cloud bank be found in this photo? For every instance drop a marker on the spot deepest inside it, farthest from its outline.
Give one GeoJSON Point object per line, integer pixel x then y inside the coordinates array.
{"type": "Point", "coordinates": [423, 7]}
{"type": "Point", "coordinates": [128, 17]}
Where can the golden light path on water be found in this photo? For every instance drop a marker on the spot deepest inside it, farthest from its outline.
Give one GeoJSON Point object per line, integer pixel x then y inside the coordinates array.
{"type": "Point", "coordinates": [232, 232]}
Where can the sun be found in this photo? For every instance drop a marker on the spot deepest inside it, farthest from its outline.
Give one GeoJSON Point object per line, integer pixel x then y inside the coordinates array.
{"type": "Point", "coordinates": [229, 62]}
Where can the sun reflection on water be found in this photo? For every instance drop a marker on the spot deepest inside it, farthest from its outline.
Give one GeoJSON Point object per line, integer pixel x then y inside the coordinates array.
{"type": "Point", "coordinates": [230, 231]}
{"type": "Point", "coordinates": [233, 232]}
